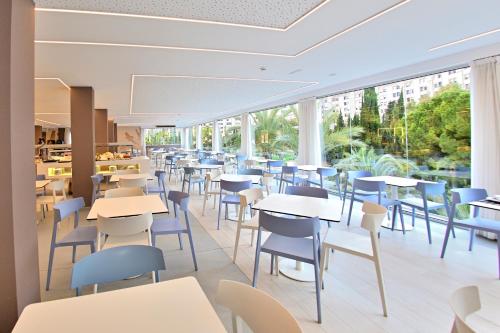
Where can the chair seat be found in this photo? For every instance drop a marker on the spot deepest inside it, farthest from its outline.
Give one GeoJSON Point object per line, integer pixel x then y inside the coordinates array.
{"type": "Point", "coordinates": [253, 223]}
{"type": "Point", "coordinates": [419, 203]}
{"type": "Point", "coordinates": [167, 225]}
{"type": "Point", "coordinates": [114, 241]}
{"type": "Point", "coordinates": [155, 189]}
{"type": "Point", "coordinates": [298, 180]}
{"type": "Point", "coordinates": [48, 199]}
{"type": "Point", "coordinates": [480, 224]}
{"type": "Point", "coordinates": [81, 235]}
{"type": "Point", "coordinates": [350, 242]}
{"type": "Point", "coordinates": [231, 199]}
{"type": "Point", "coordinates": [374, 198]}
{"type": "Point", "coordinates": [294, 248]}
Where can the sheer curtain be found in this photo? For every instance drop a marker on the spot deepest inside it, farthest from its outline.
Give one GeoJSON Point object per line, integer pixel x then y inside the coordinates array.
{"type": "Point", "coordinates": [199, 142]}
{"type": "Point", "coordinates": [216, 146]}
{"type": "Point", "coordinates": [246, 135]}
{"type": "Point", "coordinates": [309, 133]}
{"type": "Point", "coordinates": [485, 126]}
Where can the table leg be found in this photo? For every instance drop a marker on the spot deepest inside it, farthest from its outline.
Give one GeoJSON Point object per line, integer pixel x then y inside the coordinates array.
{"type": "Point", "coordinates": [297, 270]}
{"type": "Point", "coordinates": [397, 226]}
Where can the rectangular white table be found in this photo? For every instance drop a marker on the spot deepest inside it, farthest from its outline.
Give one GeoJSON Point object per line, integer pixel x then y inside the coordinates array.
{"type": "Point", "coordinates": [127, 206]}
{"type": "Point", "coordinates": [172, 306]}
{"type": "Point", "coordinates": [39, 184]}
{"type": "Point", "coordinates": [300, 206]}
{"type": "Point", "coordinates": [486, 204]}
{"type": "Point", "coordinates": [116, 177]}
{"type": "Point", "coordinates": [238, 178]}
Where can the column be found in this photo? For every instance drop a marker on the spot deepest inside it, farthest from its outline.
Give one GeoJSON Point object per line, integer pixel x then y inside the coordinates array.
{"type": "Point", "coordinates": [115, 132]}
{"type": "Point", "coordinates": [199, 142]}
{"type": "Point", "coordinates": [309, 133]}
{"type": "Point", "coordinates": [187, 136]}
{"type": "Point", "coordinates": [246, 136]}
{"type": "Point", "coordinates": [38, 133]}
{"type": "Point", "coordinates": [111, 131]}
{"type": "Point", "coordinates": [216, 145]}
{"type": "Point", "coordinates": [101, 129]}
{"type": "Point", "coordinates": [82, 147]}
{"type": "Point", "coordinates": [19, 278]}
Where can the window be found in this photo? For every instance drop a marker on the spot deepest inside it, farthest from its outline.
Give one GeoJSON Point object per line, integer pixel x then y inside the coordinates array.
{"type": "Point", "coordinates": [276, 132]}
{"type": "Point", "coordinates": [161, 136]}
{"type": "Point", "coordinates": [206, 136]}
{"type": "Point", "coordinates": [230, 129]}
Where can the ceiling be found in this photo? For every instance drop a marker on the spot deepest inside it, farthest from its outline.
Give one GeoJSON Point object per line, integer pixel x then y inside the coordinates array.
{"type": "Point", "coordinates": [187, 62]}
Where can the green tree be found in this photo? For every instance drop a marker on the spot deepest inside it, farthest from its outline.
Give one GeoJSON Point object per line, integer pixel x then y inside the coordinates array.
{"type": "Point", "coordinates": [340, 121]}
{"type": "Point", "coordinates": [206, 137]}
{"type": "Point", "coordinates": [232, 139]}
{"type": "Point", "coordinates": [370, 117]}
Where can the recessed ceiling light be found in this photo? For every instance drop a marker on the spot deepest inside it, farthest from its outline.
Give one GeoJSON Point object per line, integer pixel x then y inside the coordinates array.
{"type": "Point", "coordinates": [466, 39]}
{"type": "Point", "coordinates": [295, 71]}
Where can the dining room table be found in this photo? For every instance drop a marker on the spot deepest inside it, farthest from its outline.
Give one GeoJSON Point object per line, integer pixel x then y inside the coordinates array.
{"type": "Point", "coordinates": [178, 305]}
{"type": "Point", "coordinates": [116, 177]}
{"type": "Point", "coordinates": [256, 179]}
{"type": "Point", "coordinates": [127, 206]}
{"type": "Point", "coordinates": [301, 207]}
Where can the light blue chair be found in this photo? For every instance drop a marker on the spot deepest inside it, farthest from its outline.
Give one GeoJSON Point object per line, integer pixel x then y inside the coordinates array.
{"type": "Point", "coordinates": [80, 235]}
{"type": "Point", "coordinates": [464, 196]}
{"type": "Point", "coordinates": [306, 191]}
{"type": "Point", "coordinates": [423, 203]}
{"type": "Point", "coordinates": [349, 180]}
{"type": "Point", "coordinates": [116, 263]}
{"type": "Point", "coordinates": [274, 168]}
{"type": "Point", "coordinates": [191, 178]}
{"type": "Point", "coordinates": [172, 226]}
{"type": "Point", "coordinates": [96, 186]}
{"type": "Point", "coordinates": [289, 176]}
{"type": "Point", "coordinates": [230, 199]}
{"type": "Point", "coordinates": [170, 165]}
{"type": "Point", "coordinates": [161, 188]}
{"type": "Point", "coordinates": [251, 172]}
{"type": "Point", "coordinates": [296, 239]}
{"type": "Point", "coordinates": [379, 197]}
{"type": "Point", "coordinates": [326, 173]}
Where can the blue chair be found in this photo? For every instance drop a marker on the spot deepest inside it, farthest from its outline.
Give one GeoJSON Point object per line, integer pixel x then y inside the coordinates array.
{"type": "Point", "coordinates": [117, 263]}
{"type": "Point", "coordinates": [289, 176]}
{"type": "Point", "coordinates": [209, 161]}
{"type": "Point", "coordinates": [251, 172]}
{"type": "Point", "coordinates": [323, 174]}
{"type": "Point", "coordinates": [424, 204]}
{"type": "Point", "coordinates": [239, 160]}
{"type": "Point", "coordinates": [170, 165]}
{"type": "Point", "coordinates": [464, 196]}
{"type": "Point", "coordinates": [296, 239]}
{"type": "Point", "coordinates": [161, 188]}
{"type": "Point", "coordinates": [274, 168]}
{"type": "Point", "coordinates": [377, 187]}
{"type": "Point", "coordinates": [233, 199]}
{"type": "Point", "coordinates": [80, 235]}
{"type": "Point", "coordinates": [191, 178]}
{"type": "Point", "coordinates": [307, 191]}
{"type": "Point", "coordinates": [351, 175]}
{"type": "Point", "coordinates": [96, 186]}
{"type": "Point", "coordinates": [172, 226]}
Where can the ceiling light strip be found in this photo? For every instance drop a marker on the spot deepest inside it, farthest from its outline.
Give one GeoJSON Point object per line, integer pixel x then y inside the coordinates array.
{"type": "Point", "coordinates": [355, 26]}
{"type": "Point", "coordinates": [163, 47]}
{"type": "Point", "coordinates": [131, 94]}
{"type": "Point", "coordinates": [47, 122]}
{"type": "Point", "coordinates": [220, 78]}
{"type": "Point", "coordinates": [466, 39]}
{"type": "Point", "coordinates": [54, 78]}
{"type": "Point", "coordinates": [177, 19]}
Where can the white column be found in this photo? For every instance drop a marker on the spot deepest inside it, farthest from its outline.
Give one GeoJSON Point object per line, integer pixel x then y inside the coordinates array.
{"type": "Point", "coordinates": [485, 126]}
{"type": "Point", "coordinates": [246, 135]}
{"type": "Point", "coordinates": [187, 138]}
{"type": "Point", "coordinates": [216, 144]}
{"type": "Point", "coordinates": [199, 142]}
{"type": "Point", "coordinates": [143, 143]}
{"type": "Point", "coordinates": [67, 135]}
{"type": "Point", "coordinates": [309, 133]}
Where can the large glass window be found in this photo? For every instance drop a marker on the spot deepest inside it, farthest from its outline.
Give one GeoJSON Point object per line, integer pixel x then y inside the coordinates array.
{"type": "Point", "coordinates": [276, 132]}
{"type": "Point", "coordinates": [206, 136]}
{"type": "Point", "coordinates": [162, 136]}
{"type": "Point", "coordinates": [230, 129]}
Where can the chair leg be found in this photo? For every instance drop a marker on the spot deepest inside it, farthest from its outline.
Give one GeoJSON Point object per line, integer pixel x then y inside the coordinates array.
{"type": "Point", "coordinates": [318, 289]}
{"type": "Point", "coordinates": [412, 216]}
{"type": "Point", "coordinates": [73, 254]}
{"type": "Point", "coordinates": [190, 237]}
{"type": "Point", "coordinates": [498, 246]}
{"type": "Point", "coordinates": [323, 262]}
{"type": "Point", "coordinates": [153, 239]}
{"type": "Point", "coordinates": [237, 241]}
{"type": "Point", "coordinates": [471, 239]}
{"type": "Point", "coordinates": [350, 212]}
{"type": "Point", "coordinates": [277, 265]}
{"type": "Point", "coordinates": [393, 217]}
{"type": "Point", "coordinates": [256, 263]}
{"type": "Point", "coordinates": [402, 219]}
{"type": "Point", "coordinates": [251, 239]}
{"type": "Point", "coordinates": [343, 201]}
{"type": "Point", "coordinates": [49, 271]}
{"type": "Point", "coordinates": [179, 235]}
{"type": "Point", "coordinates": [445, 241]}
{"type": "Point", "coordinates": [428, 225]}
{"type": "Point", "coordinates": [205, 199]}
{"type": "Point", "coordinates": [380, 281]}
{"type": "Point", "coordinates": [218, 214]}
{"type": "Point", "coordinates": [272, 264]}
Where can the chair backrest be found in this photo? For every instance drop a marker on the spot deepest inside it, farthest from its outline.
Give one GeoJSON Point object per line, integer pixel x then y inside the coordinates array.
{"type": "Point", "coordinates": [235, 186]}
{"type": "Point", "coordinates": [249, 163]}
{"type": "Point", "coordinates": [124, 226]}
{"type": "Point", "coordinates": [67, 207]}
{"type": "Point", "coordinates": [124, 192]}
{"type": "Point", "coordinates": [133, 182]}
{"type": "Point", "coordinates": [466, 195]}
{"type": "Point", "coordinates": [260, 311]}
{"type": "Point", "coordinates": [56, 185]}
{"type": "Point", "coordinates": [307, 191]}
{"type": "Point", "coordinates": [115, 264]}
{"type": "Point", "coordinates": [254, 172]}
{"type": "Point", "coordinates": [464, 301]}
{"type": "Point", "coordinates": [373, 216]}
{"type": "Point", "coordinates": [327, 172]}
{"type": "Point", "coordinates": [40, 177]}
{"type": "Point", "coordinates": [353, 174]}
{"type": "Point", "coordinates": [289, 170]}
{"type": "Point", "coordinates": [290, 227]}
{"type": "Point", "coordinates": [250, 196]}
{"type": "Point", "coordinates": [97, 179]}
{"type": "Point", "coordinates": [180, 199]}
{"type": "Point", "coordinates": [267, 179]}
{"type": "Point", "coordinates": [368, 185]}
{"type": "Point", "coordinates": [426, 188]}
{"type": "Point", "coordinates": [189, 170]}
{"type": "Point", "coordinates": [271, 164]}
{"type": "Point", "coordinates": [209, 161]}
{"type": "Point", "coordinates": [127, 172]}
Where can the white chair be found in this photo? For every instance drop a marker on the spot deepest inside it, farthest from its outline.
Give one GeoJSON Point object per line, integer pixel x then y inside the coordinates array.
{"type": "Point", "coordinates": [54, 187]}
{"type": "Point", "coordinates": [127, 172]}
{"type": "Point", "coordinates": [209, 191]}
{"type": "Point", "coordinates": [141, 182]}
{"type": "Point", "coordinates": [359, 245]}
{"type": "Point", "coordinates": [120, 231]}
{"type": "Point", "coordinates": [267, 181]}
{"type": "Point", "coordinates": [260, 311]}
{"type": "Point", "coordinates": [248, 164]}
{"type": "Point", "coordinates": [247, 197]}
{"type": "Point", "coordinates": [124, 192]}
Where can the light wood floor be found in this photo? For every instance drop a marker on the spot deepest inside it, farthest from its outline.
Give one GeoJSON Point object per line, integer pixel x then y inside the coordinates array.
{"type": "Point", "coordinates": [418, 282]}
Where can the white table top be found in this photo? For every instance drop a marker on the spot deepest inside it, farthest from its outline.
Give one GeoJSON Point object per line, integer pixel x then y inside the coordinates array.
{"type": "Point", "coordinates": [308, 167]}
{"type": "Point", "coordinates": [206, 166]}
{"type": "Point", "coordinates": [396, 181]}
{"type": "Point", "coordinates": [486, 204]}
{"type": "Point", "coordinates": [115, 177]}
{"type": "Point", "coordinates": [41, 183]}
{"type": "Point", "coordinates": [172, 306]}
{"type": "Point", "coordinates": [326, 209]}
{"type": "Point", "coordinates": [127, 206]}
{"type": "Point", "coordinates": [238, 178]}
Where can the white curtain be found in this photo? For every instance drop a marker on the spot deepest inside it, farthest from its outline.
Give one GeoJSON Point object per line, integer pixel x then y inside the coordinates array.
{"type": "Point", "coordinates": [199, 142]}
{"type": "Point", "coordinates": [183, 138]}
{"type": "Point", "coordinates": [485, 126]}
{"type": "Point", "coordinates": [216, 145]}
{"type": "Point", "coordinates": [309, 133]}
{"type": "Point", "coordinates": [246, 135]}
{"type": "Point", "coordinates": [187, 138]}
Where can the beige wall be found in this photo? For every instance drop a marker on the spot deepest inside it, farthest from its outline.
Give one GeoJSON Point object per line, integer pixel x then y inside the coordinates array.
{"type": "Point", "coordinates": [129, 134]}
